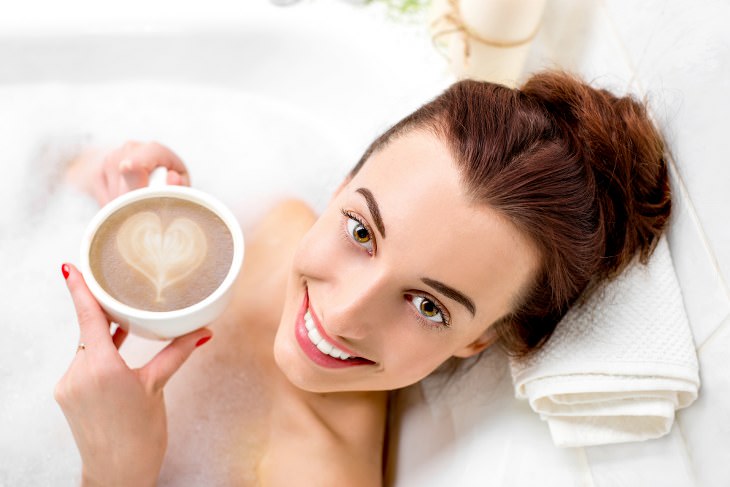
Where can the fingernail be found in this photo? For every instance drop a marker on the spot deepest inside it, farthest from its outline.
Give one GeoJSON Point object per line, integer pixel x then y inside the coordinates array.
{"type": "Point", "coordinates": [66, 270]}
{"type": "Point", "coordinates": [203, 340]}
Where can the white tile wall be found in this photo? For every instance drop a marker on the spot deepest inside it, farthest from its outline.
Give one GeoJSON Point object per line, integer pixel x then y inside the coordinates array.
{"type": "Point", "coordinates": [703, 288]}
{"type": "Point", "coordinates": [578, 36]}
{"type": "Point", "coordinates": [706, 424]}
{"type": "Point", "coordinates": [662, 462]}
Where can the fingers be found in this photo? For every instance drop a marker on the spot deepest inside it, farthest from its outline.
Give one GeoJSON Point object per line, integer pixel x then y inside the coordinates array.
{"type": "Point", "coordinates": [159, 370]}
{"type": "Point", "coordinates": [175, 178]}
{"type": "Point", "coordinates": [144, 158]}
{"type": "Point", "coordinates": [133, 176]}
{"type": "Point", "coordinates": [120, 334]}
{"type": "Point", "coordinates": [93, 324]}
{"type": "Point", "coordinates": [129, 166]}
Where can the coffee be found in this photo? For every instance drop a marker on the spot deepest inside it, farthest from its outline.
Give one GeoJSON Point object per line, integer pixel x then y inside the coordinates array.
{"type": "Point", "coordinates": [161, 253]}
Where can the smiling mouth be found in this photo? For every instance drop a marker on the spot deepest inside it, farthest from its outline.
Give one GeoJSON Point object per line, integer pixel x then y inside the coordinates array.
{"type": "Point", "coordinates": [322, 344]}
{"type": "Point", "coordinates": [318, 346]}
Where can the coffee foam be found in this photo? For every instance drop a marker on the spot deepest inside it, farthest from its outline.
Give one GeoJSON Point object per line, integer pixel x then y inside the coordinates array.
{"type": "Point", "coordinates": [161, 253]}
{"type": "Point", "coordinates": [164, 256]}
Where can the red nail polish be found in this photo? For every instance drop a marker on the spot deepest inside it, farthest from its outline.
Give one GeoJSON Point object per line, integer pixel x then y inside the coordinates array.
{"type": "Point", "coordinates": [65, 269]}
{"type": "Point", "coordinates": [203, 340]}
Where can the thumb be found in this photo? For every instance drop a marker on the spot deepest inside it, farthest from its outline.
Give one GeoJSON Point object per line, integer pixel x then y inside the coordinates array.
{"type": "Point", "coordinates": [159, 370]}
{"type": "Point", "coordinates": [93, 323]}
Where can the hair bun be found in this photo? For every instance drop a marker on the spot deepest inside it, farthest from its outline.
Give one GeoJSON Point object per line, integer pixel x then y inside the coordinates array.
{"type": "Point", "coordinates": [625, 156]}
{"type": "Point", "coordinates": [578, 171]}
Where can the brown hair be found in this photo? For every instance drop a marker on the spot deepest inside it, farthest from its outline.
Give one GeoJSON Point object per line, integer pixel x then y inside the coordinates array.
{"type": "Point", "coordinates": [579, 171]}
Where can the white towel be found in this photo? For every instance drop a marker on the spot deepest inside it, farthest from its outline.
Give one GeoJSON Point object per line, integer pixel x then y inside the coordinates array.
{"type": "Point", "coordinates": [618, 366]}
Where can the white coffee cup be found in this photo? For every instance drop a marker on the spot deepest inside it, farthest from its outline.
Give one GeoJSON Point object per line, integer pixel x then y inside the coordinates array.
{"type": "Point", "coordinates": [164, 324]}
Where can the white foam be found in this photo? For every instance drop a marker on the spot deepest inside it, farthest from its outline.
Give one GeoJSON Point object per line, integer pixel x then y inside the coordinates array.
{"type": "Point", "coordinates": [246, 150]}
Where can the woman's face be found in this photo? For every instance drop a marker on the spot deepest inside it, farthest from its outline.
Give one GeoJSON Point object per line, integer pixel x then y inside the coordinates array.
{"type": "Point", "coordinates": [401, 272]}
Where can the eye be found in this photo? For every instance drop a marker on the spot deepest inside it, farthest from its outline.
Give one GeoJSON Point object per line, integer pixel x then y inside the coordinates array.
{"type": "Point", "coordinates": [359, 232]}
{"type": "Point", "coordinates": [429, 310]}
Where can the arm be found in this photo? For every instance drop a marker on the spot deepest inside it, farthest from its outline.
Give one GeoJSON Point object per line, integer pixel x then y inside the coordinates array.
{"type": "Point", "coordinates": [116, 414]}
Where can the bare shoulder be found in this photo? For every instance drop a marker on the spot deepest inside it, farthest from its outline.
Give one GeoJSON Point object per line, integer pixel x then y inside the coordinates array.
{"type": "Point", "coordinates": [287, 219]}
{"type": "Point", "coordinates": [275, 237]}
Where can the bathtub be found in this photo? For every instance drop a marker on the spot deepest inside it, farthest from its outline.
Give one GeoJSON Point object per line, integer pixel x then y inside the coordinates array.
{"type": "Point", "coordinates": [264, 102]}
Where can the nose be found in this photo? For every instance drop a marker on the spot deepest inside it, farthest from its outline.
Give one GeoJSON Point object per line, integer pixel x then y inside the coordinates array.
{"type": "Point", "coordinates": [353, 306]}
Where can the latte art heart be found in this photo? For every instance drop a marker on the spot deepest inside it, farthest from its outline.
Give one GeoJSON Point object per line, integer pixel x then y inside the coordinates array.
{"type": "Point", "coordinates": [164, 256]}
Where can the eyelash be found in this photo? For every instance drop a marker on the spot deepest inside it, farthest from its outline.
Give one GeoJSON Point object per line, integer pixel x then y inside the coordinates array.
{"type": "Point", "coordinates": [426, 323]}
{"type": "Point", "coordinates": [353, 216]}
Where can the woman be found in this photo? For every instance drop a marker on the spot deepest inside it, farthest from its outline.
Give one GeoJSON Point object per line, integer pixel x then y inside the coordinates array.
{"type": "Point", "coordinates": [478, 219]}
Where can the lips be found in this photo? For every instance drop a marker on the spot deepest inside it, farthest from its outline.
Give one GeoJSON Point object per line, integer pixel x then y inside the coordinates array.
{"type": "Point", "coordinates": [324, 345]}
{"type": "Point", "coordinates": [320, 347]}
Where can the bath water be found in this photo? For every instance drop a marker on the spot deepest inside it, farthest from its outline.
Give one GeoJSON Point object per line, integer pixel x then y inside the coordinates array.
{"type": "Point", "coordinates": [246, 150]}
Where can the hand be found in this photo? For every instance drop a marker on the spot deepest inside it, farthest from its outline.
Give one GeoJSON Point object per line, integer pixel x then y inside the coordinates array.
{"type": "Point", "coordinates": [106, 175]}
{"type": "Point", "coordinates": [116, 414]}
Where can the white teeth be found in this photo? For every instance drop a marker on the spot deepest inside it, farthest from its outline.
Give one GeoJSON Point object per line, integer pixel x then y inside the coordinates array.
{"type": "Point", "coordinates": [323, 345]}
{"type": "Point", "coordinates": [308, 322]}
{"type": "Point", "coordinates": [314, 336]}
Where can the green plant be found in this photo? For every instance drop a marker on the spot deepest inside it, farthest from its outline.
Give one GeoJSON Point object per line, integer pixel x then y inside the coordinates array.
{"type": "Point", "coordinates": [404, 7]}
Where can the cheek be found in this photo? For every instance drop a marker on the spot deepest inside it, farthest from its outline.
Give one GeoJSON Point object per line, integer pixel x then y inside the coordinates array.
{"type": "Point", "coordinates": [413, 357]}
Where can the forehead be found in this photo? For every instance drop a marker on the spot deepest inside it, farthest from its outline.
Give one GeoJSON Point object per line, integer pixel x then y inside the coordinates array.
{"type": "Point", "coordinates": [434, 230]}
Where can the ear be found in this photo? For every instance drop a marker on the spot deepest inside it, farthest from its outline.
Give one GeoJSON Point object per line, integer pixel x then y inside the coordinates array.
{"type": "Point", "coordinates": [485, 340]}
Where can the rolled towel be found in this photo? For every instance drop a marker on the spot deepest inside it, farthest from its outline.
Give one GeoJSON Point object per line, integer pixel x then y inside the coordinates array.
{"type": "Point", "coordinates": [617, 366]}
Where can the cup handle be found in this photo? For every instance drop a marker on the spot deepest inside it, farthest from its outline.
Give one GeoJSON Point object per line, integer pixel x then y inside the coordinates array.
{"type": "Point", "coordinates": [158, 177]}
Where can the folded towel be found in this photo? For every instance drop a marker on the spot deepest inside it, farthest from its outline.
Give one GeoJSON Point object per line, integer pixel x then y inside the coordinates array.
{"type": "Point", "coordinates": [617, 366]}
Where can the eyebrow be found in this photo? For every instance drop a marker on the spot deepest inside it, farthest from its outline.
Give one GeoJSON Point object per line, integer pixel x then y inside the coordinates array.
{"type": "Point", "coordinates": [450, 292]}
{"type": "Point", "coordinates": [374, 209]}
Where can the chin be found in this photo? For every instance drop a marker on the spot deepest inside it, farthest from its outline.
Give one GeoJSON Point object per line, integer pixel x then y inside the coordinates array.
{"type": "Point", "coordinates": [290, 363]}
